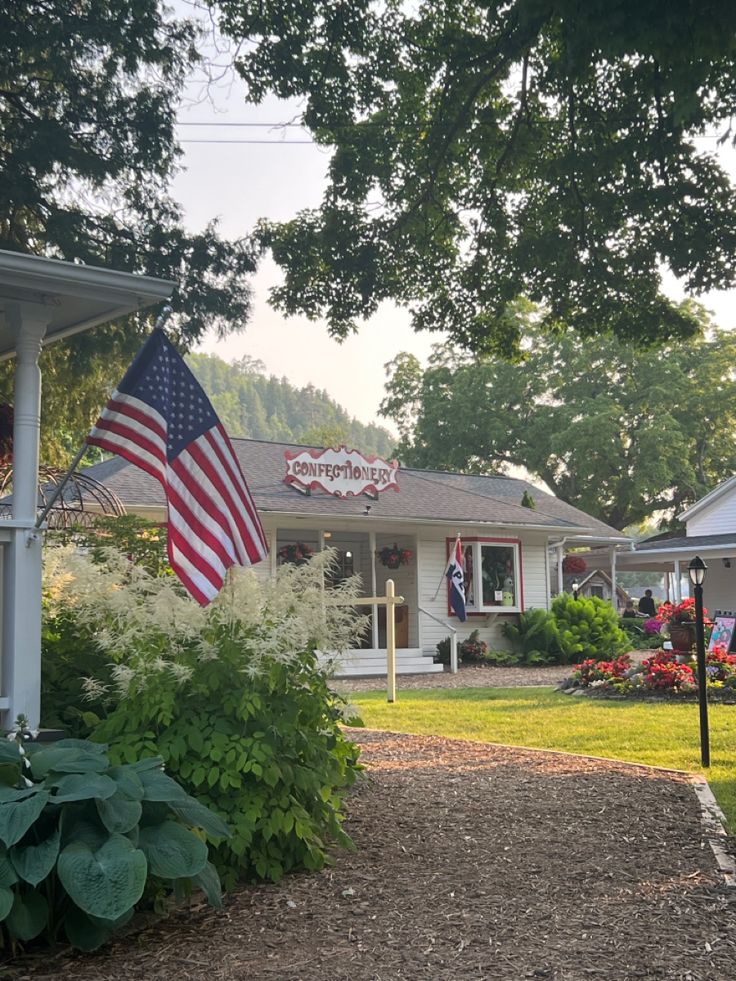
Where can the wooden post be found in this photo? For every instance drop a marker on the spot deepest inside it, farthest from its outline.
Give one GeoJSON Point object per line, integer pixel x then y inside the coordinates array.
{"type": "Point", "coordinates": [390, 641]}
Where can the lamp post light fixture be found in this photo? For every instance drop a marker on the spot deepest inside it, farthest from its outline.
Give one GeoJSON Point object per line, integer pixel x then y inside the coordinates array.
{"type": "Point", "coordinates": [575, 588]}
{"type": "Point", "coordinates": [697, 570]}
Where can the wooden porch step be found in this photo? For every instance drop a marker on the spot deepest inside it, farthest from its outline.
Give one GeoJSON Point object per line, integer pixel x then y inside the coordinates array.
{"type": "Point", "coordinates": [372, 663]}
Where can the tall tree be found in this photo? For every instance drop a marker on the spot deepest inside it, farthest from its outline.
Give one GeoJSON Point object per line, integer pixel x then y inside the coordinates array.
{"type": "Point", "coordinates": [88, 97]}
{"type": "Point", "coordinates": [487, 150]}
{"type": "Point", "coordinates": [620, 432]}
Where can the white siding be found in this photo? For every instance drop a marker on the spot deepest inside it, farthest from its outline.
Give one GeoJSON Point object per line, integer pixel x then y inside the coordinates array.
{"type": "Point", "coordinates": [432, 560]}
{"type": "Point", "coordinates": [719, 589]}
{"type": "Point", "coordinates": [718, 519]}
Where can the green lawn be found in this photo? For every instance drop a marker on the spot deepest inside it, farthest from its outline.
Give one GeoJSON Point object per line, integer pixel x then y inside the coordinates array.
{"type": "Point", "coordinates": [660, 734]}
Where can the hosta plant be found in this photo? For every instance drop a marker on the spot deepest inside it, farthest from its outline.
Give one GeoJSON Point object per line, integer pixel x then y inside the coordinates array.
{"type": "Point", "coordinates": [82, 841]}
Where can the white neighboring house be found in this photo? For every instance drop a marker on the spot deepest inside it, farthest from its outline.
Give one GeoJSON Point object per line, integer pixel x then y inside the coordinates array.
{"type": "Point", "coordinates": [506, 546]}
{"type": "Point", "coordinates": [710, 532]}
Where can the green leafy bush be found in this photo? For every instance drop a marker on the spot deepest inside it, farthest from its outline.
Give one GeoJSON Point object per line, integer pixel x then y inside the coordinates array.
{"type": "Point", "coordinates": [535, 637]}
{"type": "Point", "coordinates": [82, 840]}
{"type": "Point", "coordinates": [444, 648]}
{"type": "Point", "coordinates": [588, 628]}
{"type": "Point", "coordinates": [234, 697]}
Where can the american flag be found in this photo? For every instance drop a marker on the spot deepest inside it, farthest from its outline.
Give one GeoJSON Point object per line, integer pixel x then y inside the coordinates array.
{"type": "Point", "coordinates": [159, 419]}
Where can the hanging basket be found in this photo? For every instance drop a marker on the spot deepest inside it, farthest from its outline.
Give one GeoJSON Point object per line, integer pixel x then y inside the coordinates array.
{"type": "Point", "coordinates": [393, 556]}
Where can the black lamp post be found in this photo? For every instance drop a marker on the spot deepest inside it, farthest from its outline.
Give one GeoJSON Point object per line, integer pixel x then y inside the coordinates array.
{"type": "Point", "coordinates": [697, 570]}
{"type": "Point", "coordinates": [575, 587]}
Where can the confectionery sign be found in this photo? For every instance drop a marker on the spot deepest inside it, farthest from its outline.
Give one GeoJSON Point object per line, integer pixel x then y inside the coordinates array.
{"type": "Point", "coordinates": [341, 472]}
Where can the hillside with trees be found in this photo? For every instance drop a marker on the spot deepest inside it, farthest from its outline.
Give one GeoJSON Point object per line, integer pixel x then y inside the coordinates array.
{"type": "Point", "coordinates": [251, 403]}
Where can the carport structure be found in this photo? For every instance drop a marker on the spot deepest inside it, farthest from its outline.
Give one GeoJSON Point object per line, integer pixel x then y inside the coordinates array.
{"type": "Point", "coordinates": [41, 301]}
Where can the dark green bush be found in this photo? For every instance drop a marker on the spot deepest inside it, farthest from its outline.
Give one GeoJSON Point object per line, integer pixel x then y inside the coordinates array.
{"type": "Point", "coordinates": [268, 755]}
{"type": "Point", "coordinates": [82, 841]}
{"type": "Point", "coordinates": [535, 637]}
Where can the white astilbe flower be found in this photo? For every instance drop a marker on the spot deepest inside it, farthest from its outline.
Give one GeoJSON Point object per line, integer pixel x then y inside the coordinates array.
{"type": "Point", "coordinates": [93, 689]}
{"type": "Point", "coordinates": [151, 630]}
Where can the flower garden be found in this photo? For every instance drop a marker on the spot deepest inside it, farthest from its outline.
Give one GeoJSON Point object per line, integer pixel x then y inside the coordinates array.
{"type": "Point", "coordinates": [204, 745]}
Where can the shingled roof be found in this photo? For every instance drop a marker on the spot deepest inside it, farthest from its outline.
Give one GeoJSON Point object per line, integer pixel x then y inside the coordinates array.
{"type": "Point", "coordinates": [425, 495]}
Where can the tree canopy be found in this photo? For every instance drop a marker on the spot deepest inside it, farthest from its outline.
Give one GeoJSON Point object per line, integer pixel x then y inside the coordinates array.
{"type": "Point", "coordinates": [487, 150]}
{"type": "Point", "coordinates": [621, 432]}
{"type": "Point", "coordinates": [88, 98]}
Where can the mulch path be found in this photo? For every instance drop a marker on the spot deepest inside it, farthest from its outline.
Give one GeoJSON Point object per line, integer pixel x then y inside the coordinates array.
{"type": "Point", "coordinates": [473, 863]}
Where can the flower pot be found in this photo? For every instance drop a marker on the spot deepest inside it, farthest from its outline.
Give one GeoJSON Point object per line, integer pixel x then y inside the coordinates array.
{"type": "Point", "coordinates": [682, 636]}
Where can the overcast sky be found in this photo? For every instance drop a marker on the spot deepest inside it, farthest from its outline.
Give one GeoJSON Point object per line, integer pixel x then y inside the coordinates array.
{"type": "Point", "coordinates": [240, 182]}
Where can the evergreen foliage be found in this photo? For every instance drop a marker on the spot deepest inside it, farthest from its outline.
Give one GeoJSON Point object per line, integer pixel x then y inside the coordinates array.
{"type": "Point", "coordinates": [250, 403]}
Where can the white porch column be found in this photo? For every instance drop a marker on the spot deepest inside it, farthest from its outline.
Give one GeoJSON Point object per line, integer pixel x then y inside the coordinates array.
{"type": "Point", "coordinates": [678, 582]}
{"type": "Point", "coordinates": [21, 627]}
{"type": "Point", "coordinates": [614, 598]}
{"type": "Point", "coordinates": [560, 573]}
{"type": "Point", "coordinates": [374, 608]}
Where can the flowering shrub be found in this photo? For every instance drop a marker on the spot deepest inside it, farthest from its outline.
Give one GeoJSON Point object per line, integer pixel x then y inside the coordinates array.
{"type": "Point", "coordinates": [472, 650]}
{"type": "Point", "coordinates": [232, 696]}
{"type": "Point", "coordinates": [683, 612]}
{"type": "Point", "coordinates": [662, 671]}
{"type": "Point", "coordinates": [591, 672]}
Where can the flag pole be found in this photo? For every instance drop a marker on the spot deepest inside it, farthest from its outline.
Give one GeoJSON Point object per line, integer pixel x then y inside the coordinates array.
{"type": "Point", "coordinates": [160, 321]}
{"type": "Point", "coordinates": [447, 566]}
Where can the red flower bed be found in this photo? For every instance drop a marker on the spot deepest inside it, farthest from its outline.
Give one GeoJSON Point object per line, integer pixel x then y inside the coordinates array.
{"type": "Point", "coordinates": [661, 671]}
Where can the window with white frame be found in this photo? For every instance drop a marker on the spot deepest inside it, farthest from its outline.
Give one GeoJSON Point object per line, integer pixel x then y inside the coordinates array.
{"type": "Point", "coordinates": [492, 576]}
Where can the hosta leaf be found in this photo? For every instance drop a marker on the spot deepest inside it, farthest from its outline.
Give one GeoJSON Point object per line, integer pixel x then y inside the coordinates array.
{"type": "Point", "coordinates": [10, 793]}
{"type": "Point", "coordinates": [7, 897]}
{"type": "Point", "coordinates": [82, 786]}
{"type": "Point", "coordinates": [16, 817]}
{"type": "Point", "coordinates": [173, 851]}
{"type": "Point", "coordinates": [10, 773]}
{"type": "Point", "coordinates": [158, 786]}
{"type": "Point", "coordinates": [8, 876]}
{"type": "Point", "coordinates": [82, 932]}
{"type": "Point", "coordinates": [9, 751]}
{"type": "Point", "coordinates": [209, 882]}
{"type": "Point", "coordinates": [152, 763]}
{"type": "Point", "coordinates": [83, 744]}
{"type": "Point", "coordinates": [106, 882]}
{"type": "Point", "coordinates": [34, 862]}
{"type": "Point", "coordinates": [66, 760]}
{"type": "Point", "coordinates": [118, 813]}
{"type": "Point", "coordinates": [190, 811]}
{"type": "Point", "coordinates": [29, 915]}
{"type": "Point", "coordinates": [128, 781]}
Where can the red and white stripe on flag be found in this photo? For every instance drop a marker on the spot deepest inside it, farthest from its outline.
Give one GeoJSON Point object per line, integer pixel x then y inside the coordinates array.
{"type": "Point", "coordinates": [212, 519]}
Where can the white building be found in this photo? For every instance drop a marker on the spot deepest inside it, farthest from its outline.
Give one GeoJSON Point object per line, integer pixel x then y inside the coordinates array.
{"type": "Point", "coordinates": [506, 547]}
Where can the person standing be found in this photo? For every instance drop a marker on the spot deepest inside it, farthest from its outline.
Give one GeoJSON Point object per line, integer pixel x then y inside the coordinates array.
{"type": "Point", "coordinates": [646, 604]}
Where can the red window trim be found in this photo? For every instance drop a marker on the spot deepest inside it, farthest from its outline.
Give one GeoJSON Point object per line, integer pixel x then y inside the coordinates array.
{"type": "Point", "coordinates": [450, 544]}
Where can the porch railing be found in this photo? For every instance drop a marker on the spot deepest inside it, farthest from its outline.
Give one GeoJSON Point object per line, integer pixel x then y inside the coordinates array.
{"type": "Point", "coordinates": [453, 637]}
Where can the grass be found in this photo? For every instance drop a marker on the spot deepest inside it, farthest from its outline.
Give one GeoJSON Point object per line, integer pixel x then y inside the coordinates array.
{"type": "Point", "coordinates": [656, 733]}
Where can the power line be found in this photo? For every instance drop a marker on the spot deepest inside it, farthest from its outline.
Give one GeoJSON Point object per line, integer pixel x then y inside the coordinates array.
{"type": "Point", "coordinates": [254, 125]}
{"type": "Point", "coordinates": [259, 142]}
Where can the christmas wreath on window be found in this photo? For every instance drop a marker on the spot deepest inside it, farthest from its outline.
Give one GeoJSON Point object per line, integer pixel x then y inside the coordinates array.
{"type": "Point", "coordinates": [297, 553]}
{"type": "Point", "coordinates": [392, 556]}
{"type": "Point", "coordinates": [6, 433]}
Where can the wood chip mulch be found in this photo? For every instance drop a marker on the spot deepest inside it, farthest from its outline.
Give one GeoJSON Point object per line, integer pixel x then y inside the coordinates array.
{"type": "Point", "coordinates": [473, 863]}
